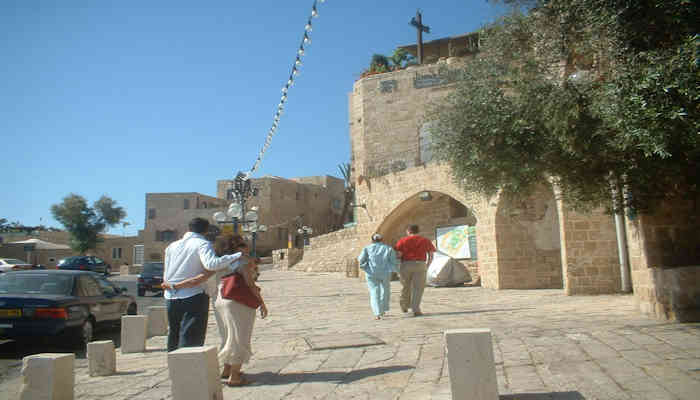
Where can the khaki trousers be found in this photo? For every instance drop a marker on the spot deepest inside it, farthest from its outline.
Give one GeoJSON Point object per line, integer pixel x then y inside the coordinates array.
{"type": "Point", "coordinates": [412, 276]}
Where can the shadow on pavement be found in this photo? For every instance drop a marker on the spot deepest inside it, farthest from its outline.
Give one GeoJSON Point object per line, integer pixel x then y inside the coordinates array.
{"type": "Point", "coordinates": [270, 378]}
{"type": "Point", "coordinates": [544, 396]}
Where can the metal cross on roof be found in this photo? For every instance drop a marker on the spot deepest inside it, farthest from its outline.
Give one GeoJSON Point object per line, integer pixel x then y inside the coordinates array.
{"type": "Point", "coordinates": [417, 22]}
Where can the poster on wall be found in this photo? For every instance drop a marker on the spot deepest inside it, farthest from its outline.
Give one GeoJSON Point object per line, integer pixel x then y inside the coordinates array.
{"type": "Point", "coordinates": [453, 240]}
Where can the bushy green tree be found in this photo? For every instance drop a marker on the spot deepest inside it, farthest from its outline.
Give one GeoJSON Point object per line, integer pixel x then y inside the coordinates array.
{"type": "Point", "coordinates": [85, 223]}
{"type": "Point", "coordinates": [583, 92]}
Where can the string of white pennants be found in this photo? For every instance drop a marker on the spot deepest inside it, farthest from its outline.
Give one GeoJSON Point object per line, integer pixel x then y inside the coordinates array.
{"type": "Point", "coordinates": [305, 41]}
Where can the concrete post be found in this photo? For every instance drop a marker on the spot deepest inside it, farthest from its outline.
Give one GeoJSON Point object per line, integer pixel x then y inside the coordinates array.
{"type": "Point", "coordinates": [194, 373]}
{"type": "Point", "coordinates": [157, 321]}
{"type": "Point", "coordinates": [471, 364]}
{"type": "Point", "coordinates": [48, 376]}
{"type": "Point", "coordinates": [134, 333]}
{"type": "Point", "coordinates": [102, 358]}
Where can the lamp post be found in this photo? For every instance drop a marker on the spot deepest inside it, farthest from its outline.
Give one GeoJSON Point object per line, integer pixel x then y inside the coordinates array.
{"type": "Point", "coordinates": [248, 222]}
{"type": "Point", "coordinates": [306, 231]}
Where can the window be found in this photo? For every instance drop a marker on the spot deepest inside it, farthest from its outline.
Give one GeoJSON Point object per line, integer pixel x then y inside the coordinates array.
{"type": "Point", "coordinates": [297, 196]}
{"type": "Point", "coordinates": [116, 253]}
{"type": "Point", "coordinates": [108, 289]}
{"type": "Point", "coordinates": [151, 213]}
{"type": "Point", "coordinates": [336, 204]}
{"type": "Point", "coordinates": [425, 140]}
{"type": "Point", "coordinates": [166, 236]}
{"type": "Point", "coordinates": [186, 204]}
{"type": "Point", "coordinates": [229, 194]}
{"type": "Point", "coordinates": [87, 287]}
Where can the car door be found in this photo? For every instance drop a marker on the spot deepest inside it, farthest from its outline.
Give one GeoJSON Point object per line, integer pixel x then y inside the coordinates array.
{"type": "Point", "coordinates": [114, 303]}
{"type": "Point", "coordinates": [90, 291]}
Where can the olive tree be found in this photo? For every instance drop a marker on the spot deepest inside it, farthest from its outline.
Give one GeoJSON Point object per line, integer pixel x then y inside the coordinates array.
{"type": "Point", "coordinates": [586, 93]}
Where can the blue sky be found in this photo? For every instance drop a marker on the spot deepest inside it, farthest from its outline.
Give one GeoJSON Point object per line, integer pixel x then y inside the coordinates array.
{"type": "Point", "coordinates": [128, 97]}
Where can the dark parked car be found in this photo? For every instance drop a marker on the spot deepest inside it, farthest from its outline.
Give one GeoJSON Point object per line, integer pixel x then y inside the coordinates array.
{"type": "Point", "coordinates": [85, 263]}
{"type": "Point", "coordinates": [68, 304]}
{"type": "Point", "coordinates": [151, 278]}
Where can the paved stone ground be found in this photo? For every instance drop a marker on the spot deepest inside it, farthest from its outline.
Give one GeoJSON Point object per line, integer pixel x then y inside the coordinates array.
{"type": "Point", "coordinates": [547, 346]}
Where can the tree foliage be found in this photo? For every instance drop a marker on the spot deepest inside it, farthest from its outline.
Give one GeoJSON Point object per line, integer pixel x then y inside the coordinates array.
{"type": "Point", "coordinates": [85, 223]}
{"type": "Point", "coordinates": [582, 92]}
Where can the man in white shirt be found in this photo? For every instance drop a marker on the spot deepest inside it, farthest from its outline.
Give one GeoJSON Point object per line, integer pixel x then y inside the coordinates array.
{"type": "Point", "coordinates": [188, 263]}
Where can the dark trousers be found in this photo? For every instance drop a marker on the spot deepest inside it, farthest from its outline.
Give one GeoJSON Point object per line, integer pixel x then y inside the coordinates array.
{"type": "Point", "coordinates": [187, 320]}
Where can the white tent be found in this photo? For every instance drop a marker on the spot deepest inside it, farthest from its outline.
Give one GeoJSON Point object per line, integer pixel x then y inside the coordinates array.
{"type": "Point", "coordinates": [446, 271]}
{"type": "Point", "coordinates": [42, 245]}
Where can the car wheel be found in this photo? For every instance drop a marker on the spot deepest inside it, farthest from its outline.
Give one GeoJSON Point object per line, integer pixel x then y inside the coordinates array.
{"type": "Point", "coordinates": [131, 310]}
{"type": "Point", "coordinates": [141, 292]}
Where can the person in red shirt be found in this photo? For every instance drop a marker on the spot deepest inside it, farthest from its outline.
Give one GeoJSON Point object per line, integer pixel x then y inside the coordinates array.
{"type": "Point", "coordinates": [416, 253]}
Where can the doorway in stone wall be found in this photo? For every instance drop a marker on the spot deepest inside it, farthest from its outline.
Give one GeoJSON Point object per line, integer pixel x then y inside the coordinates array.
{"type": "Point", "coordinates": [450, 224]}
{"type": "Point", "coordinates": [528, 243]}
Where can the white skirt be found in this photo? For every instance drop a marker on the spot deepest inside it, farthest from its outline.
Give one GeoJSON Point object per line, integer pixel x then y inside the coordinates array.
{"type": "Point", "coordinates": [238, 321]}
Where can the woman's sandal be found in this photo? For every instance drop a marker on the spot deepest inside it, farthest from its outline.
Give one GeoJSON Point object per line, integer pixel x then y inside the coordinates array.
{"type": "Point", "coordinates": [241, 382]}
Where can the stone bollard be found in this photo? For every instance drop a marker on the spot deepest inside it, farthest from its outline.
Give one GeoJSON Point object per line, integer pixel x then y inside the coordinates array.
{"type": "Point", "coordinates": [102, 358]}
{"type": "Point", "coordinates": [157, 321]}
{"type": "Point", "coordinates": [194, 373]}
{"type": "Point", "coordinates": [471, 364]}
{"type": "Point", "coordinates": [134, 333]}
{"type": "Point", "coordinates": [48, 376]}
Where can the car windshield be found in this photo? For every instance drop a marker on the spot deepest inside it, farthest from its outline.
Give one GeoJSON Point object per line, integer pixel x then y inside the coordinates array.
{"type": "Point", "coordinates": [153, 268]}
{"type": "Point", "coordinates": [70, 260]}
{"type": "Point", "coordinates": [35, 284]}
{"type": "Point", "coordinates": [13, 261]}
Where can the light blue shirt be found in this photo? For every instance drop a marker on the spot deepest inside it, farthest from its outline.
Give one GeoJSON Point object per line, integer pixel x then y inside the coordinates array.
{"type": "Point", "coordinates": [378, 260]}
{"type": "Point", "coordinates": [189, 257]}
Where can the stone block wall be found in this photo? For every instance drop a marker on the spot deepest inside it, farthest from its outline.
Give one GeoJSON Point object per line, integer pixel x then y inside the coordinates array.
{"type": "Point", "coordinates": [528, 242]}
{"type": "Point", "coordinates": [589, 252]}
{"type": "Point", "coordinates": [669, 293]}
{"type": "Point", "coordinates": [330, 252]}
{"type": "Point", "coordinates": [287, 258]}
{"type": "Point", "coordinates": [664, 261]}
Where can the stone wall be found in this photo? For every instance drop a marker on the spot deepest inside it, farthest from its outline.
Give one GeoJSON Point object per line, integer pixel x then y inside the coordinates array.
{"type": "Point", "coordinates": [330, 252]}
{"type": "Point", "coordinates": [589, 252]}
{"type": "Point", "coordinates": [664, 257]}
{"type": "Point", "coordinates": [669, 293]}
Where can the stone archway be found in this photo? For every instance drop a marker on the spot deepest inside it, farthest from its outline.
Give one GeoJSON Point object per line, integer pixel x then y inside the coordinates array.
{"type": "Point", "coordinates": [430, 210]}
{"type": "Point", "coordinates": [528, 242]}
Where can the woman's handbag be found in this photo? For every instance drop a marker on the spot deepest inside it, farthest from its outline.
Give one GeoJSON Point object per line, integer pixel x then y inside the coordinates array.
{"type": "Point", "coordinates": [234, 288]}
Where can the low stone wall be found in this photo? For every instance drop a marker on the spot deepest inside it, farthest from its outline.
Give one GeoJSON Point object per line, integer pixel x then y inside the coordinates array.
{"type": "Point", "coordinates": [669, 293]}
{"type": "Point", "coordinates": [287, 258]}
{"type": "Point", "coordinates": [130, 269]}
{"type": "Point", "coordinates": [331, 252]}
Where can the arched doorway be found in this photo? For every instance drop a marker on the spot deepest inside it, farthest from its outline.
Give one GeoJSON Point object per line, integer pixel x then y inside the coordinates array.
{"type": "Point", "coordinates": [435, 213]}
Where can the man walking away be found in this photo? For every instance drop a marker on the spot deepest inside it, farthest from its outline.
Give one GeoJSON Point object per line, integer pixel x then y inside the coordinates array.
{"type": "Point", "coordinates": [416, 253]}
{"type": "Point", "coordinates": [378, 261]}
{"type": "Point", "coordinates": [189, 262]}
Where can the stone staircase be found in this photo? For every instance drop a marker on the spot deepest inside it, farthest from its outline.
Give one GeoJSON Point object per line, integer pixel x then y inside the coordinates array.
{"type": "Point", "coordinates": [332, 251]}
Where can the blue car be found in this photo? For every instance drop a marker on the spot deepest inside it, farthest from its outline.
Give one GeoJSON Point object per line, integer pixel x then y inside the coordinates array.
{"type": "Point", "coordinates": [85, 263]}
{"type": "Point", "coordinates": [66, 304]}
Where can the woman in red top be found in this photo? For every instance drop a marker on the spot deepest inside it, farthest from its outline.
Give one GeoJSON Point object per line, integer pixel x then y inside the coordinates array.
{"type": "Point", "coordinates": [416, 253]}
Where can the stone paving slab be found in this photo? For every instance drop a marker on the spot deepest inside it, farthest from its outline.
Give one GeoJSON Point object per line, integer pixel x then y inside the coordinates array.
{"type": "Point", "coordinates": [546, 346]}
{"type": "Point", "coordinates": [335, 341]}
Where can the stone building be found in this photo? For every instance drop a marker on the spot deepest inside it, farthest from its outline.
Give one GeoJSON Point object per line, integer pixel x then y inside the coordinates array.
{"type": "Point", "coordinates": [284, 205]}
{"type": "Point", "coordinates": [114, 249]}
{"type": "Point", "coordinates": [526, 243]}
{"type": "Point", "coordinates": [168, 216]}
